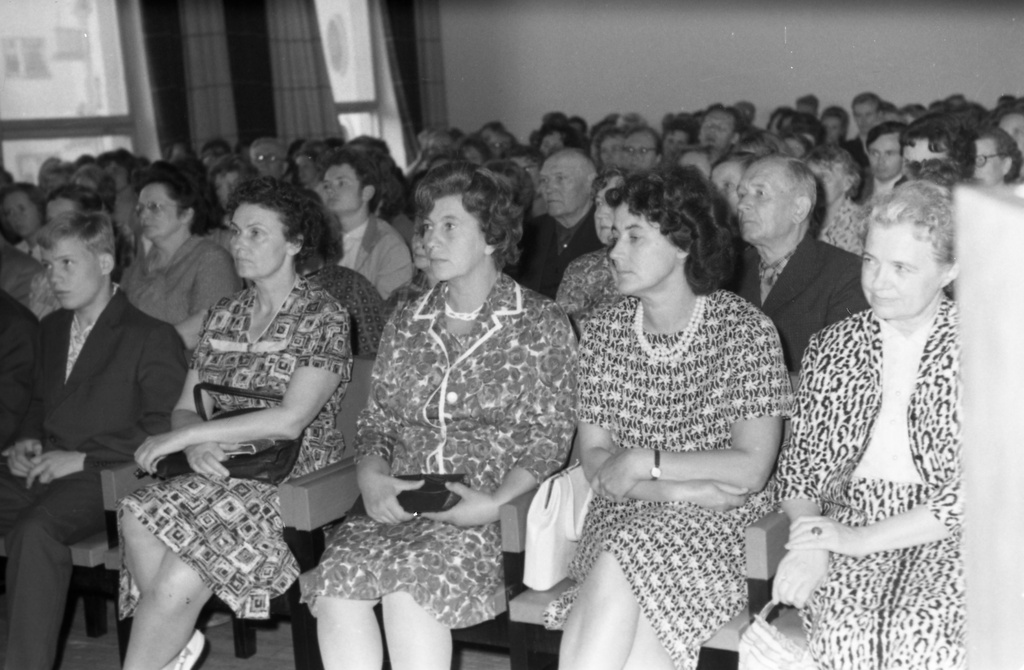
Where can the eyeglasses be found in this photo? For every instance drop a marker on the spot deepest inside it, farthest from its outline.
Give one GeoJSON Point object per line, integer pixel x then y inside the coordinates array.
{"type": "Point", "coordinates": [981, 159]}
{"type": "Point", "coordinates": [266, 158]}
{"type": "Point", "coordinates": [642, 151]}
{"type": "Point", "coordinates": [151, 207]}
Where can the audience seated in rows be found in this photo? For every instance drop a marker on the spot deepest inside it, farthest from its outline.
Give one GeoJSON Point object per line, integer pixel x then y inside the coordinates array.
{"type": "Point", "coordinates": [772, 191]}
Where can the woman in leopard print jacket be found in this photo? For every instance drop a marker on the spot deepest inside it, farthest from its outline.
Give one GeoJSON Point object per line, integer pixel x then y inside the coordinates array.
{"type": "Point", "coordinates": [871, 479]}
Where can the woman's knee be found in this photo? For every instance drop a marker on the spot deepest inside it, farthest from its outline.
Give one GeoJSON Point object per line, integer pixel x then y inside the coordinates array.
{"type": "Point", "coordinates": [177, 586]}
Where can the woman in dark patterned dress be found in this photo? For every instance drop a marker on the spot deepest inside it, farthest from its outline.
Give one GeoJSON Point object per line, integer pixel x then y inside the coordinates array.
{"type": "Point", "coordinates": [588, 285]}
{"type": "Point", "coordinates": [478, 377]}
{"type": "Point", "coordinates": [206, 533]}
{"type": "Point", "coordinates": [682, 395]}
{"type": "Point", "coordinates": [871, 479]}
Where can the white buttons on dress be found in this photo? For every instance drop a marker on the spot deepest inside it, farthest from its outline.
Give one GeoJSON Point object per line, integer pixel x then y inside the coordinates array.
{"type": "Point", "coordinates": [452, 397]}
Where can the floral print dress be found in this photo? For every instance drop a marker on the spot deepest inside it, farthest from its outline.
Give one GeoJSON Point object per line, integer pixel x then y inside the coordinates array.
{"type": "Point", "coordinates": [229, 530]}
{"type": "Point", "coordinates": [499, 398]}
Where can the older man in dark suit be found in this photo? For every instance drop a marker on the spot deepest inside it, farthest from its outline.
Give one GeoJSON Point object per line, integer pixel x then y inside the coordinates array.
{"type": "Point", "coordinates": [567, 231]}
{"type": "Point", "coordinates": [802, 284]}
{"type": "Point", "coordinates": [110, 376]}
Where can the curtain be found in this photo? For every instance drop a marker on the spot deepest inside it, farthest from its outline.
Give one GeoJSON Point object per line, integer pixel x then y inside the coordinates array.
{"type": "Point", "coordinates": [211, 101]}
{"type": "Point", "coordinates": [431, 64]}
{"type": "Point", "coordinates": [400, 70]}
{"type": "Point", "coordinates": [303, 104]}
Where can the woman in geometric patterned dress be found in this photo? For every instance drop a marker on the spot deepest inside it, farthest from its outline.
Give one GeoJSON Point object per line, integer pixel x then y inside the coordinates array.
{"type": "Point", "coordinates": [682, 395]}
{"type": "Point", "coordinates": [871, 479]}
{"type": "Point", "coordinates": [477, 376]}
{"type": "Point", "coordinates": [205, 533]}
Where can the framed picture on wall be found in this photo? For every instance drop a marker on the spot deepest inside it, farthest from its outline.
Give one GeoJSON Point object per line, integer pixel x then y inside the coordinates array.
{"type": "Point", "coordinates": [348, 49]}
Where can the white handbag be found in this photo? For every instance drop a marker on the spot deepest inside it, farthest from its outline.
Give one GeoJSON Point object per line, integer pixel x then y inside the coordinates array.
{"type": "Point", "coordinates": [554, 524]}
{"type": "Point", "coordinates": [765, 647]}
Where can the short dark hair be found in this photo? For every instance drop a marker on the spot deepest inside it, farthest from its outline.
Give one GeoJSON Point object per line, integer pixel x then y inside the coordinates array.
{"type": "Point", "coordinates": [884, 128]}
{"type": "Point", "coordinates": [85, 199]}
{"type": "Point", "coordinates": [232, 163]}
{"type": "Point", "coordinates": [488, 197]}
{"type": "Point", "coordinates": [837, 113]}
{"type": "Point", "coordinates": [687, 209]}
{"type": "Point", "coordinates": [645, 130]}
{"type": "Point", "coordinates": [181, 188]}
{"type": "Point", "coordinates": [1005, 146]}
{"type": "Point", "coordinates": [739, 121]}
{"type": "Point", "coordinates": [362, 163]}
{"type": "Point", "coordinates": [867, 96]}
{"type": "Point", "coordinates": [34, 194]}
{"type": "Point", "coordinates": [944, 134]}
{"type": "Point", "coordinates": [303, 217]}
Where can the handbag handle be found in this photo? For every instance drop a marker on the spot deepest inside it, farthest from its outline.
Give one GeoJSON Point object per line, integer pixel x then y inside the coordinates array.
{"type": "Point", "coordinates": [767, 609]}
{"type": "Point", "coordinates": [197, 395]}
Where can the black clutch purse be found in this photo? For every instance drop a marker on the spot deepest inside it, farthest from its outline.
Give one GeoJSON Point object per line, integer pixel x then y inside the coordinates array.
{"type": "Point", "coordinates": [431, 497]}
{"type": "Point", "coordinates": [268, 461]}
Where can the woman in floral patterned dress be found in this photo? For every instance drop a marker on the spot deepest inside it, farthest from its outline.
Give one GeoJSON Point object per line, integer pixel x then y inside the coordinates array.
{"type": "Point", "coordinates": [681, 398]}
{"type": "Point", "coordinates": [206, 533]}
{"type": "Point", "coordinates": [588, 286]}
{"type": "Point", "coordinates": [477, 376]}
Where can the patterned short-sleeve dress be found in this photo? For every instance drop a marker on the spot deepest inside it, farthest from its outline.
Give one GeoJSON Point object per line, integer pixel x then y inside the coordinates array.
{"type": "Point", "coordinates": [502, 397]}
{"type": "Point", "coordinates": [684, 563]}
{"type": "Point", "coordinates": [229, 530]}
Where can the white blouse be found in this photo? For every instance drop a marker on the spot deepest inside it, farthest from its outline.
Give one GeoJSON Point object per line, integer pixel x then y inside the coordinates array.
{"type": "Point", "coordinates": [888, 454]}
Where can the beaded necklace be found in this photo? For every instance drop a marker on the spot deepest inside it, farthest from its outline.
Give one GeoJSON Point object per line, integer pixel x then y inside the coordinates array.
{"type": "Point", "coordinates": [462, 316]}
{"type": "Point", "coordinates": [668, 354]}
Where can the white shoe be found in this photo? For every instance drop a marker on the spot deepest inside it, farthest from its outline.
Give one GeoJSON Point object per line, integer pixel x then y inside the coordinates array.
{"type": "Point", "coordinates": [189, 656]}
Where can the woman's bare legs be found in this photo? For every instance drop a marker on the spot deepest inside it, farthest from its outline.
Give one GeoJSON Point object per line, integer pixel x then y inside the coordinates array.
{"type": "Point", "coordinates": [416, 640]}
{"type": "Point", "coordinates": [349, 634]}
{"type": "Point", "coordinates": [606, 629]}
{"type": "Point", "coordinates": [171, 594]}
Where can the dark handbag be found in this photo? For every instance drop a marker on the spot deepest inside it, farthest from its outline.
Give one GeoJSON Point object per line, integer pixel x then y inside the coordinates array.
{"type": "Point", "coordinates": [431, 497]}
{"type": "Point", "coordinates": [268, 461]}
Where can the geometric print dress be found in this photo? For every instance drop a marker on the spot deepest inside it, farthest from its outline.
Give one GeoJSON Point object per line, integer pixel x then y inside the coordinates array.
{"type": "Point", "coordinates": [684, 563]}
{"type": "Point", "coordinates": [229, 530]}
{"type": "Point", "coordinates": [901, 608]}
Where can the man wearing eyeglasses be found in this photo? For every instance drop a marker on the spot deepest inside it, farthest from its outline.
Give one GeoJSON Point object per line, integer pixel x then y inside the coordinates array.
{"type": "Point", "coordinates": [269, 157]}
{"type": "Point", "coordinates": [641, 150]}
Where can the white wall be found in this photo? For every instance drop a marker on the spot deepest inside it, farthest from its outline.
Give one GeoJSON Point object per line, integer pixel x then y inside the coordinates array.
{"type": "Point", "coordinates": [516, 59]}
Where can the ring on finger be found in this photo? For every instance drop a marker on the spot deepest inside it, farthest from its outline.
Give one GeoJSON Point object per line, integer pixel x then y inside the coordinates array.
{"type": "Point", "coordinates": [816, 531]}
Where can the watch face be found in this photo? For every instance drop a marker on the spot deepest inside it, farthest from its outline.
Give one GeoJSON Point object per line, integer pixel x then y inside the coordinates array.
{"type": "Point", "coordinates": [655, 472]}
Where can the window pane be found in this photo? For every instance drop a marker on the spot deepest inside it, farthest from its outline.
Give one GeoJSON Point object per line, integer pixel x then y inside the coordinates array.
{"type": "Point", "coordinates": [360, 123]}
{"type": "Point", "coordinates": [61, 58]}
{"type": "Point", "coordinates": [22, 158]}
{"type": "Point", "coordinates": [345, 36]}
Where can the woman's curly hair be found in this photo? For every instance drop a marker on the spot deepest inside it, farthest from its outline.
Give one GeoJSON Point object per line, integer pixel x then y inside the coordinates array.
{"type": "Point", "coordinates": [303, 218]}
{"type": "Point", "coordinates": [687, 209]}
{"type": "Point", "coordinates": [488, 197]}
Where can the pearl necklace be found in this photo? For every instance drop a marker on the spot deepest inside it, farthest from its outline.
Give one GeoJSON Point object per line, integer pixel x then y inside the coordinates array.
{"type": "Point", "coordinates": [663, 354]}
{"type": "Point", "coordinates": [462, 316]}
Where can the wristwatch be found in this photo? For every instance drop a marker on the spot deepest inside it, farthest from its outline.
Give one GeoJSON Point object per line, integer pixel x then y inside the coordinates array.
{"type": "Point", "coordinates": [656, 470]}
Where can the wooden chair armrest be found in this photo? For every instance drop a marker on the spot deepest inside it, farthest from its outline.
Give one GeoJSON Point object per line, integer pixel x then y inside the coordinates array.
{"type": "Point", "coordinates": [766, 545]}
{"type": "Point", "coordinates": [513, 523]}
{"type": "Point", "coordinates": [119, 482]}
{"type": "Point", "coordinates": [316, 499]}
